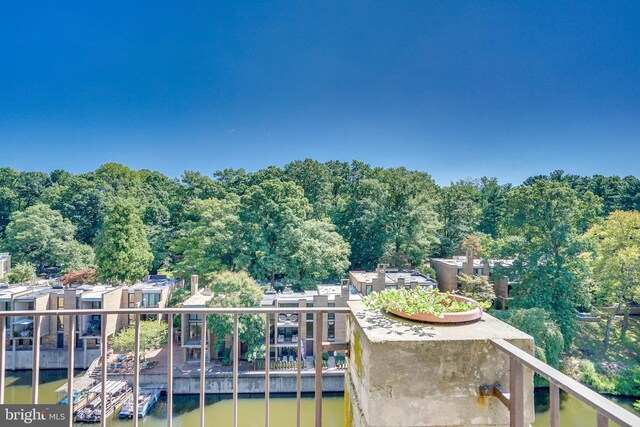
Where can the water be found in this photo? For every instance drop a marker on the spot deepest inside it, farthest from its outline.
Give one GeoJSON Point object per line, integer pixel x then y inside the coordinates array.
{"type": "Point", "coordinates": [573, 413]}
{"type": "Point", "coordinates": [186, 408]}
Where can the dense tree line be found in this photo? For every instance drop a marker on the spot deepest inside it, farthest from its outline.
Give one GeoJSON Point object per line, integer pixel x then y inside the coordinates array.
{"type": "Point", "coordinates": [304, 222]}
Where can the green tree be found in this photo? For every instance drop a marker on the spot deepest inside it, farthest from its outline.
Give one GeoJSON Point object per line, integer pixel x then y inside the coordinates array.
{"type": "Point", "coordinates": [458, 211]}
{"type": "Point", "coordinates": [315, 180]}
{"type": "Point", "coordinates": [547, 337]}
{"type": "Point", "coordinates": [41, 236]}
{"type": "Point", "coordinates": [206, 242]}
{"type": "Point", "coordinates": [21, 273]}
{"type": "Point", "coordinates": [476, 287]}
{"type": "Point", "coordinates": [123, 253]}
{"type": "Point", "coordinates": [547, 219]}
{"type": "Point", "coordinates": [616, 263]}
{"type": "Point", "coordinates": [360, 219]}
{"type": "Point", "coordinates": [237, 290]}
{"type": "Point", "coordinates": [153, 335]}
{"type": "Point", "coordinates": [410, 216]}
{"type": "Point", "coordinates": [269, 212]}
{"type": "Point", "coordinates": [317, 252]}
{"type": "Point", "coordinates": [493, 206]}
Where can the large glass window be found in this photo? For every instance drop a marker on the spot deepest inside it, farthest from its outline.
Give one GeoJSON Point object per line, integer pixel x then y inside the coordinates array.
{"type": "Point", "coordinates": [331, 330]}
{"type": "Point", "coordinates": [331, 316]}
{"type": "Point", "coordinates": [150, 300]}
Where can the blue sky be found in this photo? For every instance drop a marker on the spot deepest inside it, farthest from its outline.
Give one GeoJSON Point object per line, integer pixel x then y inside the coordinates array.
{"type": "Point", "coordinates": [459, 89]}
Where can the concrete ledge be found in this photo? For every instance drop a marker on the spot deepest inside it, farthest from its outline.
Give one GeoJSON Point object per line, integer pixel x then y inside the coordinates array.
{"type": "Point", "coordinates": [404, 373]}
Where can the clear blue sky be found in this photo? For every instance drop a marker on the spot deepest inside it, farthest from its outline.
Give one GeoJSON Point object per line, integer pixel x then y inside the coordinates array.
{"type": "Point", "coordinates": [459, 89]}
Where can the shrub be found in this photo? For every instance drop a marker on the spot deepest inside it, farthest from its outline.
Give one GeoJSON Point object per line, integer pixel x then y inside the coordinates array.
{"type": "Point", "coordinates": [476, 287]}
{"type": "Point", "coordinates": [600, 383]}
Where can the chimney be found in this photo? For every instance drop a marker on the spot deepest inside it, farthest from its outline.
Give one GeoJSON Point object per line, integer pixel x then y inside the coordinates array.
{"type": "Point", "coordinates": [344, 289]}
{"type": "Point", "coordinates": [381, 280]}
{"type": "Point", "coordinates": [194, 284]}
{"type": "Point", "coordinates": [486, 269]}
{"type": "Point", "coordinates": [467, 266]}
{"type": "Point", "coordinates": [400, 282]}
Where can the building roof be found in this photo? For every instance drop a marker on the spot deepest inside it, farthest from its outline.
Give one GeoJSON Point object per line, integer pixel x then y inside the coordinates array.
{"type": "Point", "coordinates": [95, 294]}
{"type": "Point", "coordinates": [392, 276]}
{"type": "Point", "coordinates": [459, 261]}
{"type": "Point", "coordinates": [7, 294]}
{"type": "Point", "coordinates": [35, 293]}
{"type": "Point", "coordinates": [200, 299]}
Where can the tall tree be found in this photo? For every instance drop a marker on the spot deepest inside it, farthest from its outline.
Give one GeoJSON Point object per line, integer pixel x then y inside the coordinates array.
{"type": "Point", "coordinates": [548, 217]}
{"type": "Point", "coordinates": [360, 219]}
{"type": "Point", "coordinates": [270, 211]}
{"type": "Point", "coordinates": [317, 252]}
{"type": "Point", "coordinates": [41, 236]}
{"type": "Point", "coordinates": [458, 210]}
{"type": "Point", "coordinates": [206, 241]}
{"type": "Point", "coordinates": [123, 253]}
{"type": "Point", "coordinates": [237, 290]}
{"type": "Point", "coordinates": [410, 215]}
{"type": "Point", "coordinates": [493, 205]}
{"type": "Point", "coordinates": [616, 263]}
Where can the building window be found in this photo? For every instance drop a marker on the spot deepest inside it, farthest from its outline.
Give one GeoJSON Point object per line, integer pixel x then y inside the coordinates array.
{"type": "Point", "coordinates": [331, 331]}
{"type": "Point", "coordinates": [195, 316]}
{"type": "Point", "coordinates": [391, 286]}
{"type": "Point", "coordinates": [132, 300]}
{"type": "Point", "coordinates": [150, 300]}
{"type": "Point", "coordinates": [331, 316]}
{"type": "Point", "coordinates": [369, 290]}
{"type": "Point", "coordinates": [96, 304]}
{"type": "Point", "coordinates": [309, 330]}
{"type": "Point", "coordinates": [310, 315]}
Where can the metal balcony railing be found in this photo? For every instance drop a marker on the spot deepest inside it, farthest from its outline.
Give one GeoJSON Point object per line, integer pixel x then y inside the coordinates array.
{"type": "Point", "coordinates": [514, 399]}
{"type": "Point", "coordinates": [269, 313]}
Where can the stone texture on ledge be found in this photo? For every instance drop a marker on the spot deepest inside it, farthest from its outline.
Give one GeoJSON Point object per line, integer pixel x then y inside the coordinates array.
{"type": "Point", "coordinates": [403, 373]}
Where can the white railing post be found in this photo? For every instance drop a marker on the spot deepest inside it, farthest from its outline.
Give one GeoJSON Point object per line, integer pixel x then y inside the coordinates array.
{"type": "Point", "coordinates": [35, 373]}
{"type": "Point", "coordinates": [516, 392]}
{"type": "Point", "coordinates": [267, 367]}
{"type": "Point", "coordinates": [136, 370]}
{"type": "Point", "coordinates": [317, 356]}
{"type": "Point", "coordinates": [71, 330]}
{"type": "Point", "coordinates": [554, 398]}
{"type": "Point", "coordinates": [103, 376]}
{"type": "Point", "coordinates": [299, 370]}
{"type": "Point", "coordinates": [170, 373]}
{"type": "Point", "coordinates": [3, 348]}
{"type": "Point", "coordinates": [236, 361]}
{"type": "Point", "coordinates": [203, 357]}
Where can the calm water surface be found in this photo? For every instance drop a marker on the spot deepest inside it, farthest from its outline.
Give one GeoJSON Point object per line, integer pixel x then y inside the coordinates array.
{"type": "Point", "coordinates": [185, 408]}
{"type": "Point", "coordinates": [283, 409]}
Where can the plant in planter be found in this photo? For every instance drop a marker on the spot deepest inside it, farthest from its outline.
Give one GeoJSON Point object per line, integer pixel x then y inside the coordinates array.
{"type": "Point", "coordinates": [425, 305]}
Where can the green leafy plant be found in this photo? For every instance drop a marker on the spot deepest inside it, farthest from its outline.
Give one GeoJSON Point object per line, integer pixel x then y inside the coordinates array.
{"type": "Point", "coordinates": [418, 300]}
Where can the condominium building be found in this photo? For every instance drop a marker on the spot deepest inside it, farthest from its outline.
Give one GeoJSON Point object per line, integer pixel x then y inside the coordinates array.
{"type": "Point", "coordinates": [366, 282]}
{"type": "Point", "coordinates": [448, 270]}
{"type": "Point", "coordinates": [291, 326]}
{"type": "Point", "coordinates": [88, 327]}
{"type": "Point", "coordinates": [287, 327]}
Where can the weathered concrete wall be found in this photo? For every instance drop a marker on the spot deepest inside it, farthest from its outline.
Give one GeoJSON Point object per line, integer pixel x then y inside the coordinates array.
{"type": "Point", "coordinates": [248, 382]}
{"type": "Point", "coordinates": [49, 359]}
{"type": "Point", "coordinates": [409, 374]}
